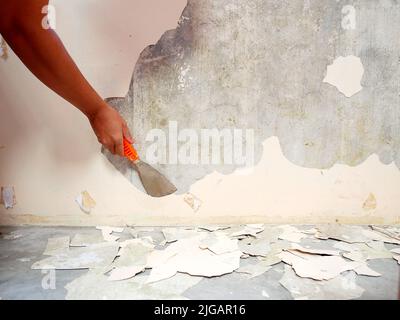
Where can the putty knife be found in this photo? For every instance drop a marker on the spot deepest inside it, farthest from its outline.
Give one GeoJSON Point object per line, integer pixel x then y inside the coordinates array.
{"type": "Point", "coordinates": [153, 181]}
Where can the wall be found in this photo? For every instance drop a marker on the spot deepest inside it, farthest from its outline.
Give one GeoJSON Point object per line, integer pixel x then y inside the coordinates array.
{"type": "Point", "coordinates": [323, 153]}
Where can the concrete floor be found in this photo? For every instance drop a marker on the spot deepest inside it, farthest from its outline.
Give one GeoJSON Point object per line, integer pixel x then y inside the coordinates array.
{"type": "Point", "coordinates": [18, 281]}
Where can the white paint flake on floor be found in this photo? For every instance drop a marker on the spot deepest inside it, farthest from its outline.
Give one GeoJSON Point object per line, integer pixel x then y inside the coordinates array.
{"type": "Point", "coordinates": [146, 260]}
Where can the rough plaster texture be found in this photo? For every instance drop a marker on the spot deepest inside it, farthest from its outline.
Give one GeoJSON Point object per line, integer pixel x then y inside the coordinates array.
{"type": "Point", "coordinates": [261, 64]}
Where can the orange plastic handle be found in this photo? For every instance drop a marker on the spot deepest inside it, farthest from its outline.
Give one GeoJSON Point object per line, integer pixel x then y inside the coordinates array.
{"type": "Point", "coordinates": [129, 151]}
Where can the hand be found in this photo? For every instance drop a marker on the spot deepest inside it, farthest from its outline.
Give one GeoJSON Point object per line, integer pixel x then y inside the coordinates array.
{"type": "Point", "coordinates": [110, 129]}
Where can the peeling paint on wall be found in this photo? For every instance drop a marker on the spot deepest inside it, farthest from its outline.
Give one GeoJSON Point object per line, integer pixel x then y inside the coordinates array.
{"type": "Point", "coordinates": [276, 191]}
{"type": "Point", "coordinates": [85, 201]}
{"type": "Point", "coordinates": [260, 64]}
{"type": "Point", "coordinates": [370, 202]}
{"type": "Point", "coordinates": [345, 73]}
{"type": "Point", "coordinates": [8, 198]}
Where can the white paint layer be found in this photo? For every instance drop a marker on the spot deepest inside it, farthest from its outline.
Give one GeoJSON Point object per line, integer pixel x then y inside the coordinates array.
{"type": "Point", "coordinates": [345, 73]}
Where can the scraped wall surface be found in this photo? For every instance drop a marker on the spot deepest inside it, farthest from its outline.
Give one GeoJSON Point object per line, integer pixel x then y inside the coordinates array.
{"type": "Point", "coordinates": [317, 81]}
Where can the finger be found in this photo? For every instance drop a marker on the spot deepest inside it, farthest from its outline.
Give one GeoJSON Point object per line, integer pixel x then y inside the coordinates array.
{"type": "Point", "coordinates": [107, 144]}
{"type": "Point", "coordinates": [111, 148]}
{"type": "Point", "coordinates": [127, 133]}
{"type": "Point", "coordinates": [119, 147]}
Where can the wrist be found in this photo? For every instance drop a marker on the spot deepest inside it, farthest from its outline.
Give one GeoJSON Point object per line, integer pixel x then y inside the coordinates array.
{"type": "Point", "coordinates": [95, 109]}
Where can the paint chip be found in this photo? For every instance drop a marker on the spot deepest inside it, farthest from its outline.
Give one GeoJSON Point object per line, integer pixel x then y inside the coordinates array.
{"type": "Point", "coordinates": [56, 246]}
{"type": "Point", "coordinates": [12, 236]}
{"type": "Point", "coordinates": [85, 201]}
{"type": "Point", "coordinates": [107, 233]}
{"type": "Point", "coordinates": [317, 267]}
{"type": "Point", "coordinates": [396, 254]}
{"type": "Point", "coordinates": [255, 247]}
{"type": "Point", "coordinates": [323, 252]}
{"type": "Point", "coordinates": [95, 256]}
{"type": "Point", "coordinates": [253, 270]}
{"type": "Point", "coordinates": [246, 230]}
{"type": "Point", "coordinates": [186, 256]}
{"type": "Point", "coordinates": [345, 73]}
{"type": "Point", "coordinates": [94, 285]}
{"type": "Point", "coordinates": [84, 240]}
{"type": "Point", "coordinates": [219, 244]}
{"type": "Point", "coordinates": [370, 202]}
{"type": "Point", "coordinates": [338, 288]}
{"type": "Point", "coordinates": [194, 202]}
{"type": "Point", "coordinates": [8, 198]}
{"type": "Point", "coordinates": [291, 234]}
{"type": "Point", "coordinates": [352, 234]}
{"type": "Point", "coordinates": [213, 228]}
{"type": "Point", "coordinates": [174, 234]}
{"type": "Point", "coordinates": [264, 294]}
{"type": "Point", "coordinates": [369, 251]}
{"type": "Point", "coordinates": [364, 270]}
{"type": "Point", "coordinates": [391, 232]}
{"type": "Point", "coordinates": [131, 260]}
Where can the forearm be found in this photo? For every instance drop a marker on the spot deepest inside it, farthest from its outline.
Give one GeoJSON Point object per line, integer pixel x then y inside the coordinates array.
{"type": "Point", "coordinates": [44, 54]}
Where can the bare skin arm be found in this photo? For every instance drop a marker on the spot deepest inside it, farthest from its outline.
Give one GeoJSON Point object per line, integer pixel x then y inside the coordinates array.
{"type": "Point", "coordinates": [45, 56]}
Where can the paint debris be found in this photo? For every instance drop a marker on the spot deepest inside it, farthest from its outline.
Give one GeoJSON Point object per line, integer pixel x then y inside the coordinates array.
{"type": "Point", "coordinates": [84, 240]}
{"type": "Point", "coordinates": [12, 235]}
{"type": "Point", "coordinates": [342, 287]}
{"type": "Point", "coordinates": [85, 201]}
{"type": "Point", "coordinates": [291, 234]}
{"type": "Point", "coordinates": [323, 252]}
{"type": "Point", "coordinates": [317, 267]}
{"type": "Point", "coordinates": [95, 286]}
{"type": "Point", "coordinates": [396, 254]}
{"type": "Point", "coordinates": [24, 259]}
{"type": "Point", "coordinates": [242, 232]}
{"type": "Point", "coordinates": [131, 260]}
{"type": "Point", "coordinates": [8, 198]}
{"type": "Point", "coordinates": [253, 270]}
{"type": "Point", "coordinates": [352, 234]}
{"type": "Point", "coordinates": [107, 233]}
{"type": "Point", "coordinates": [213, 228]}
{"type": "Point", "coordinates": [56, 245]}
{"type": "Point", "coordinates": [364, 270]}
{"type": "Point", "coordinates": [219, 244]}
{"type": "Point", "coordinates": [395, 251]}
{"type": "Point", "coordinates": [94, 256]}
{"type": "Point", "coordinates": [345, 73]}
{"type": "Point", "coordinates": [117, 269]}
{"type": "Point", "coordinates": [264, 294]}
{"type": "Point", "coordinates": [174, 234]}
{"type": "Point", "coordinates": [255, 247]}
{"type": "Point", "coordinates": [271, 233]}
{"type": "Point", "coordinates": [391, 232]}
{"type": "Point", "coordinates": [186, 256]}
{"type": "Point", "coordinates": [194, 202]}
{"type": "Point", "coordinates": [370, 202]}
{"type": "Point", "coordinates": [363, 252]}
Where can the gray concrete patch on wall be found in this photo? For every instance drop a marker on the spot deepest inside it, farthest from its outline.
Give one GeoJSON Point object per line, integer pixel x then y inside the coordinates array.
{"type": "Point", "coordinates": [263, 65]}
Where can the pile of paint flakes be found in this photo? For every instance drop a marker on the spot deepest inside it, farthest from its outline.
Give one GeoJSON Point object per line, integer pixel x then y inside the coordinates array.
{"type": "Point", "coordinates": [162, 263]}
